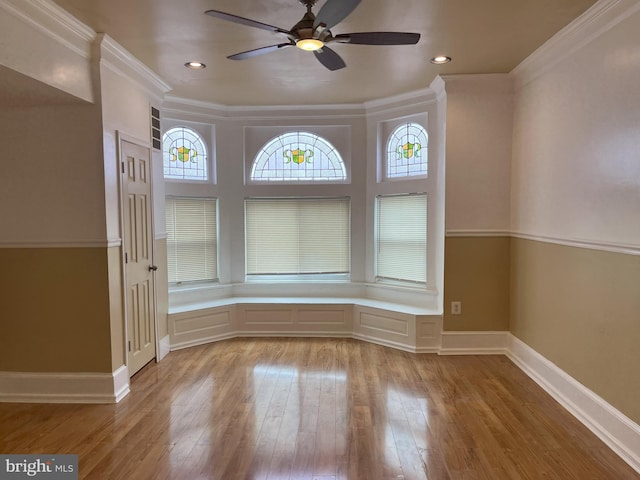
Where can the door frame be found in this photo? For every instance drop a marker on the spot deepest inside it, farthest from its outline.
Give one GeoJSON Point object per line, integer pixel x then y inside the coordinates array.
{"type": "Point", "coordinates": [123, 137]}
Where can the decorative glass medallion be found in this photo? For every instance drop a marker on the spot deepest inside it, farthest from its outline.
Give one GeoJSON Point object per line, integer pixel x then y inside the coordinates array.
{"type": "Point", "coordinates": [184, 155]}
{"type": "Point", "coordinates": [298, 156]}
{"type": "Point", "coordinates": [407, 151]}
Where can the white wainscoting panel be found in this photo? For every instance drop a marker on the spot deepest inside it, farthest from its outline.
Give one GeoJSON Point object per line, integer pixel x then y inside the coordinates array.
{"type": "Point", "coordinates": [428, 333]}
{"type": "Point", "coordinates": [385, 327]}
{"type": "Point", "coordinates": [294, 319]}
{"type": "Point", "coordinates": [265, 317]}
{"type": "Point", "coordinates": [188, 329]}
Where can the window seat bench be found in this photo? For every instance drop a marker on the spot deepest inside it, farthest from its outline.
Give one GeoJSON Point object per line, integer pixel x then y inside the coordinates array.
{"type": "Point", "coordinates": [406, 327]}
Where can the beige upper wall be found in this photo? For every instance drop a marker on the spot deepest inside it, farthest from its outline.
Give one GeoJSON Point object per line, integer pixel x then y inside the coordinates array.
{"type": "Point", "coordinates": [52, 186]}
{"type": "Point", "coordinates": [479, 121]}
{"type": "Point", "coordinates": [576, 173]}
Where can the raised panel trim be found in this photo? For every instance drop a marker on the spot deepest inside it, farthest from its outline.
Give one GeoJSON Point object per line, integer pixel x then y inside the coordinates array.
{"type": "Point", "coordinates": [339, 316]}
{"type": "Point", "coordinates": [207, 321]}
{"type": "Point", "coordinates": [98, 388]}
{"type": "Point", "coordinates": [387, 324]}
{"type": "Point", "coordinates": [266, 316]}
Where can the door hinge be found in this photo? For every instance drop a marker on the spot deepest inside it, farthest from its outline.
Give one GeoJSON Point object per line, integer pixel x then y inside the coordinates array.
{"type": "Point", "coordinates": [122, 163]}
{"type": "Point", "coordinates": [129, 345]}
{"type": "Point", "coordinates": [126, 257]}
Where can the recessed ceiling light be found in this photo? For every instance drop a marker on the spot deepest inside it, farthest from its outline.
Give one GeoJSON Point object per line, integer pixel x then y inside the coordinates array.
{"type": "Point", "coordinates": [195, 65]}
{"type": "Point", "coordinates": [440, 60]}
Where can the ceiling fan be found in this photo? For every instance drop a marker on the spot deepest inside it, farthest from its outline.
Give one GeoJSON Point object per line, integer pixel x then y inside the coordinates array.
{"type": "Point", "coordinates": [312, 33]}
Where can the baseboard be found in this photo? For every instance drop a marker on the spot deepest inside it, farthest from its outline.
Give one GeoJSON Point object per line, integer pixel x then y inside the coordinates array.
{"type": "Point", "coordinates": [616, 430]}
{"type": "Point", "coordinates": [165, 347]}
{"type": "Point", "coordinates": [474, 343]}
{"type": "Point", "coordinates": [256, 334]}
{"type": "Point", "coordinates": [388, 343]}
{"type": "Point", "coordinates": [202, 341]}
{"type": "Point", "coordinates": [27, 387]}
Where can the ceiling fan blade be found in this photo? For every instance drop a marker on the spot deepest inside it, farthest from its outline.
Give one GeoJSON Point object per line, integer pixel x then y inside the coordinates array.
{"type": "Point", "coordinates": [329, 58]}
{"type": "Point", "coordinates": [379, 38]}
{"type": "Point", "coordinates": [258, 51]}
{"type": "Point", "coordinates": [244, 21]}
{"type": "Point", "coordinates": [334, 11]}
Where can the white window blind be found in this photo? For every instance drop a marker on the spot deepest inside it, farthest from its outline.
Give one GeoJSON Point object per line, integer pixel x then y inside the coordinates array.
{"type": "Point", "coordinates": [401, 238]}
{"type": "Point", "coordinates": [192, 250]}
{"type": "Point", "coordinates": [297, 236]}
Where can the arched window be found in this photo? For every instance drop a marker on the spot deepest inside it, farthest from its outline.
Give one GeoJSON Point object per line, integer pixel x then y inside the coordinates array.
{"type": "Point", "coordinates": [407, 151]}
{"type": "Point", "coordinates": [184, 154]}
{"type": "Point", "coordinates": [298, 157]}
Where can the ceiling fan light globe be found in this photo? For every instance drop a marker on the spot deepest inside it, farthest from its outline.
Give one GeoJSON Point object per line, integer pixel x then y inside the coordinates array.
{"type": "Point", "coordinates": [309, 44]}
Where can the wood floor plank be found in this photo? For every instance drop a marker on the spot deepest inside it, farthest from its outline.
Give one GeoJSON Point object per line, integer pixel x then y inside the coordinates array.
{"type": "Point", "coordinates": [319, 409]}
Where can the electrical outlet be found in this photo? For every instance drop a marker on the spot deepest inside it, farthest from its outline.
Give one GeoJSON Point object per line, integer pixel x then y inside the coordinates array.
{"type": "Point", "coordinates": [456, 308]}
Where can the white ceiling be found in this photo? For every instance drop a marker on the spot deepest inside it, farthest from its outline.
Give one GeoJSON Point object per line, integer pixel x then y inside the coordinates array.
{"type": "Point", "coordinates": [488, 36]}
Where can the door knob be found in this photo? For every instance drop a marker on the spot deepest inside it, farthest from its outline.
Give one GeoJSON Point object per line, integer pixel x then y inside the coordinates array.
{"type": "Point", "coordinates": [152, 268]}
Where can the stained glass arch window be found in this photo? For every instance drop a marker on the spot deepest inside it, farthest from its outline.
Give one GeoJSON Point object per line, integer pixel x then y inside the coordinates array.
{"type": "Point", "coordinates": [407, 151]}
{"type": "Point", "coordinates": [184, 155]}
{"type": "Point", "coordinates": [298, 157]}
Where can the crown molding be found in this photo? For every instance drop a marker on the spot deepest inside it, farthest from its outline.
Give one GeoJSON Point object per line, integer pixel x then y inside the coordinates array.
{"type": "Point", "coordinates": [116, 58]}
{"type": "Point", "coordinates": [202, 110]}
{"type": "Point", "coordinates": [417, 98]}
{"type": "Point", "coordinates": [215, 111]}
{"type": "Point", "coordinates": [478, 83]}
{"type": "Point", "coordinates": [53, 21]}
{"type": "Point", "coordinates": [601, 17]}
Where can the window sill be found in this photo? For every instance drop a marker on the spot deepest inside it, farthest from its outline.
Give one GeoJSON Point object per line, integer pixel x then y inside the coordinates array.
{"type": "Point", "coordinates": [292, 292]}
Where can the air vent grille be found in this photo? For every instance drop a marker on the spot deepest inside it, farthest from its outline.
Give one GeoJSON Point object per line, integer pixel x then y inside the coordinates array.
{"type": "Point", "coordinates": [155, 129]}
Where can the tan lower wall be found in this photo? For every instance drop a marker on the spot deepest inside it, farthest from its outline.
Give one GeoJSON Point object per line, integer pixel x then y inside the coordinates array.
{"type": "Point", "coordinates": [54, 310]}
{"type": "Point", "coordinates": [580, 309]}
{"type": "Point", "coordinates": [476, 273]}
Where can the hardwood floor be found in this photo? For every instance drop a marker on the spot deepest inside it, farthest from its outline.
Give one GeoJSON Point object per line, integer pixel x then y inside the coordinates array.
{"type": "Point", "coordinates": [318, 409]}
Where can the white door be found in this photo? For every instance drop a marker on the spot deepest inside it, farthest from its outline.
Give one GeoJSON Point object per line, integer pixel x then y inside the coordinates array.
{"type": "Point", "coordinates": [138, 257]}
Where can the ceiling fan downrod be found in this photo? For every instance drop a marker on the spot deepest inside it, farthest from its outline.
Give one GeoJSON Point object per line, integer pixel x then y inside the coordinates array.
{"type": "Point", "coordinates": [308, 3]}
